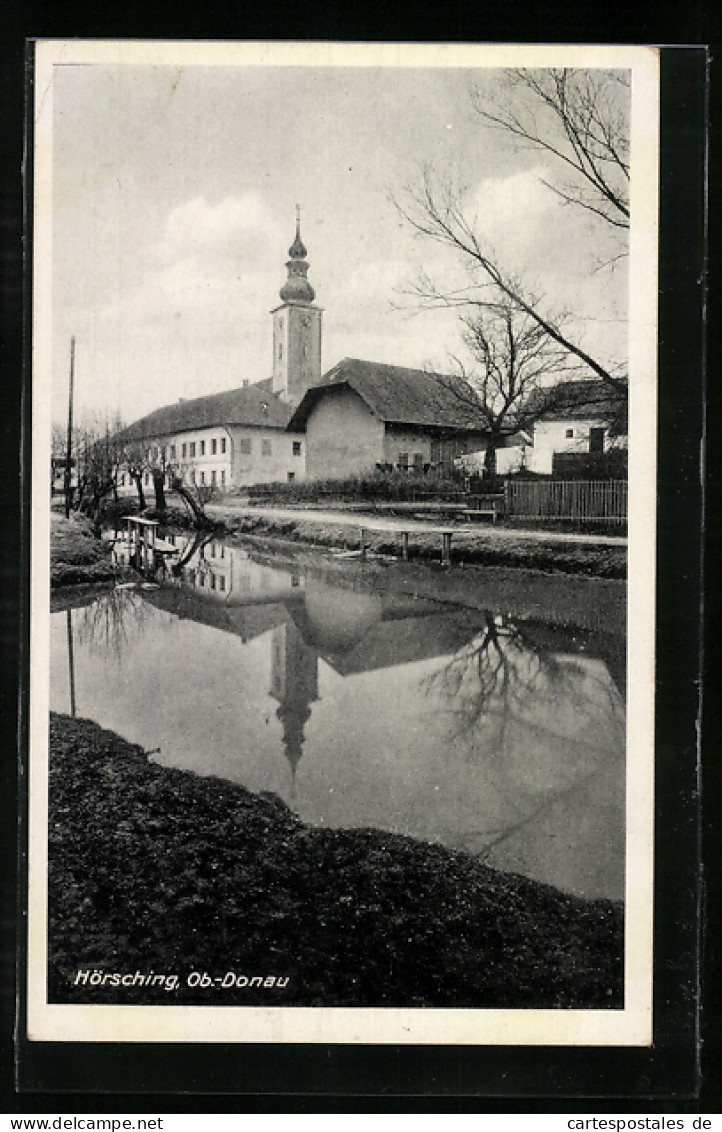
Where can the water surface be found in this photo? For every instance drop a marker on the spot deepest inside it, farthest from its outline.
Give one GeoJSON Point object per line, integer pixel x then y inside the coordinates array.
{"type": "Point", "coordinates": [363, 706]}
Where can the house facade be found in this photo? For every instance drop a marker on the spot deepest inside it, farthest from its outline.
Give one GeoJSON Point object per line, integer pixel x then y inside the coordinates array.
{"type": "Point", "coordinates": [225, 441]}
{"type": "Point", "coordinates": [368, 415]}
{"type": "Point", "coordinates": [583, 418]}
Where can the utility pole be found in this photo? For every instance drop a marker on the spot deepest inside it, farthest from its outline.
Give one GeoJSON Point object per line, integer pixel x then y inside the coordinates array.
{"type": "Point", "coordinates": [68, 450]}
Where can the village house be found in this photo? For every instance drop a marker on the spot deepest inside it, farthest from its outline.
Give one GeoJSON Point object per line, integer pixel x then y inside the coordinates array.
{"type": "Point", "coordinates": [580, 418]}
{"type": "Point", "coordinates": [224, 440]}
{"type": "Point", "coordinates": [368, 415]}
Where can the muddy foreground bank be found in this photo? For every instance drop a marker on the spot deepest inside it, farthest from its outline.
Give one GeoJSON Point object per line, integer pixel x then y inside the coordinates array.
{"type": "Point", "coordinates": [155, 870]}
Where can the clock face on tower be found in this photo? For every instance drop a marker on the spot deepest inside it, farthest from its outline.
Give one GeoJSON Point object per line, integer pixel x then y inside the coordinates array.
{"type": "Point", "coordinates": [305, 321]}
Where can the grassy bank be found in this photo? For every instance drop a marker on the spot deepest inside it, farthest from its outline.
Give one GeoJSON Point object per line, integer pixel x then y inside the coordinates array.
{"type": "Point", "coordinates": [469, 546]}
{"type": "Point", "coordinates": [76, 556]}
{"type": "Point", "coordinates": [157, 869]}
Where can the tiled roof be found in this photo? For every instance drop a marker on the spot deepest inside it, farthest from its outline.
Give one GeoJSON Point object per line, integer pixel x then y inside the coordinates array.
{"type": "Point", "coordinates": [399, 395]}
{"type": "Point", "coordinates": [571, 400]}
{"type": "Point", "coordinates": [252, 405]}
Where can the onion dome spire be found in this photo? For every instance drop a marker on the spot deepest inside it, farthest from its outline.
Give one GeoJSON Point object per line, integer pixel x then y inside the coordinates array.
{"type": "Point", "coordinates": [297, 288]}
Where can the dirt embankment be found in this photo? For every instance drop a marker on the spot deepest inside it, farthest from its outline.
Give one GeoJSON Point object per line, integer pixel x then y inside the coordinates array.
{"type": "Point", "coordinates": [468, 546]}
{"type": "Point", "coordinates": [76, 556]}
{"type": "Point", "coordinates": [156, 870]}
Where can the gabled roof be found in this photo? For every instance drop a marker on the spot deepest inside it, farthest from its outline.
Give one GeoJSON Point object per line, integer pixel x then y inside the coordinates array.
{"type": "Point", "coordinates": [399, 395]}
{"type": "Point", "coordinates": [574, 400]}
{"type": "Point", "coordinates": [252, 405]}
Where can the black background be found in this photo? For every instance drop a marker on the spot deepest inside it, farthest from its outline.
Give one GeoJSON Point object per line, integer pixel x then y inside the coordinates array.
{"type": "Point", "coordinates": [235, 1078]}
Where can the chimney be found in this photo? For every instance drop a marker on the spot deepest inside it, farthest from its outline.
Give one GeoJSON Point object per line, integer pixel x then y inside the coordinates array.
{"type": "Point", "coordinates": [246, 383]}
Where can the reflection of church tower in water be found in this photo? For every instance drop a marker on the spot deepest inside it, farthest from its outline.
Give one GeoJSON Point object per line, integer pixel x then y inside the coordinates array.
{"type": "Point", "coordinates": [294, 683]}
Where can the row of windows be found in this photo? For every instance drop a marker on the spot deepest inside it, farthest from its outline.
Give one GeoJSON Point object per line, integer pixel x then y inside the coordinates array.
{"type": "Point", "coordinates": [217, 581]}
{"type": "Point", "coordinates": [246, 447]}
{"type": "Point", "coordinates": [213, 478]}
{"type": "Point", "coordinates": [189, 449]}
{"type": "Point", "coordinates": [418, 460]}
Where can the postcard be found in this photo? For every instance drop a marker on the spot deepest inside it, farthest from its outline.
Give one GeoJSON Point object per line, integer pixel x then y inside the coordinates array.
{"type": "Point", "coordinates": [343, 543]}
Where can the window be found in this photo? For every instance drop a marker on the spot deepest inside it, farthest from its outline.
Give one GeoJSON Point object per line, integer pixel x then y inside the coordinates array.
{"type": "Point", "coordinates": [192, 447]}
{"type": "Point", "coordinates": [297, 447]}
{"type": "Point", "coordinates": [291, 477]}
{"type": "Point", "coordinates": [213, 478]}
{"type": "Point", "coordinates": [221, 583]}
{"type": "Point", "coordinates": [172, 451]}
{"type": "Point", "coordinates": [147, 478]}
{"type": "Point", "coordinates": [193, 475]}
{"type": "Point", "coordinates": [418, 461]}
{"type": "Point", "coordinates": [266, 449]}
{"type": "Point", "coordinates": [223, 477]}
{"type": "Point", "coordinates": [569, 433]}
{"type": "Point", "coordinates": [213, 581]}
{"type": "Point", "coordinates": [213, 550]}
{"type": "Point", "coordinates": [214, 447]}
{"type": "Point", "coordinates": [203, 447]}
{"type": "Point", "coordinates": [183, 451]}
{"type": "Point", "coordinates": [223, 444]}
{"type": "Point", "coordinates": [280, 351]}
{"type": "Point", "coordinates": [203, 478]}
{"type": "Point", "coordinates": [246, 445]}
{"type": "Point", "coordinates": [403, 459]}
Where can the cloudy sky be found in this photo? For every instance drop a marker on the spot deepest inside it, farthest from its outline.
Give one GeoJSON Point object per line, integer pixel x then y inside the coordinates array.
{"type": "Point", "coordinates": [173, 207]}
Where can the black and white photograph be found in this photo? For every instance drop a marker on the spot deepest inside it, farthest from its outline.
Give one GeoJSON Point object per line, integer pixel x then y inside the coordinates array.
{"type": "Point", "coordinates": [343, 567]}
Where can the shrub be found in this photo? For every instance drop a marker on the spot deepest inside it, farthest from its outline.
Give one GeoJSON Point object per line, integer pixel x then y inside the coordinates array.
{"type": "Point", "coordinates": [378, 485]}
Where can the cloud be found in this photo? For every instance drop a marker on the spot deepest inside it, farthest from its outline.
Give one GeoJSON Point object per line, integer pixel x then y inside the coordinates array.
{"type": "Point", "coordinates": [241, 228]}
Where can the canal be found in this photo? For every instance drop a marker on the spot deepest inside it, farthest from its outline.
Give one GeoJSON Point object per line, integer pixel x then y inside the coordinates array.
{"type": "Point", "coordinates": [481, 710]}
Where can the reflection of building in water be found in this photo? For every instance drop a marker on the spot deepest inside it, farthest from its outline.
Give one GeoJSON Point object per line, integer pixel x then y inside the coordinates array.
{"type": "Point", "coordinates": [357, 631]}
{"type": "Point", "coordinates": [294, 683]}
{"type": "Point", "coordinates": [228, 574]}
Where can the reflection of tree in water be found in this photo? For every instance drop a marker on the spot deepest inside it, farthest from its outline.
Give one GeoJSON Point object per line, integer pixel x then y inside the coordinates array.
{"type": "Point", "coordinates": [104, 624]}
{"type": "Point", "coordinates": [500, 678]}
{"type": "Point", "coordinates": [540, 722]}
{"type": "Point", "coordinates": [195, 546]}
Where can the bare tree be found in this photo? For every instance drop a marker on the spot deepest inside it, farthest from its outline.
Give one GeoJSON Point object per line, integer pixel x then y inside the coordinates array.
{"type": "Point", "coordinates": [579, 117]}
{"type": "Point", "coordinates": [195, 497]}
{"type": "Point", "coordinates": [435, 209]}
{"type": "Point", "coordinates": [511, 357]}
{"type": "Point", "coordinates": [135, 461]}
{"type": "Point", "coordinates": [97, 472]}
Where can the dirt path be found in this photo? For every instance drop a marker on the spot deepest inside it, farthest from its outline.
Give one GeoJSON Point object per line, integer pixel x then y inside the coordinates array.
{"type": "Point", "coordinates": [234, 509]}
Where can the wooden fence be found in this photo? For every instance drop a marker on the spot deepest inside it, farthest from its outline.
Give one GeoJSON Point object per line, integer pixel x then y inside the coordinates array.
{"type": "Point", "coordinates": [586, 501]}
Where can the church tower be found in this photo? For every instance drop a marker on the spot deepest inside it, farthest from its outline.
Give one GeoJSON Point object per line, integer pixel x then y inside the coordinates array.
{"type": "Point", "coordinates": [296, 328]}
